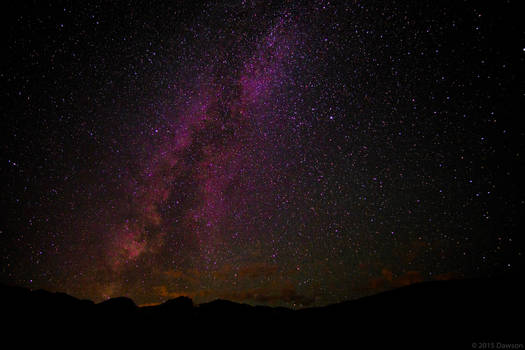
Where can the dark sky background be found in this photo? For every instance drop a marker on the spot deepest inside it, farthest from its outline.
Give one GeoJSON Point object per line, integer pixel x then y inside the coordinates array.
{"type": "Point", "coordinates": [279, 153]}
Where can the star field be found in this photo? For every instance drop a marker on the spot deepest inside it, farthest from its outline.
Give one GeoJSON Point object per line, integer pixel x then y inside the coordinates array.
{"type": "Point", "coordinates": [279, 153]}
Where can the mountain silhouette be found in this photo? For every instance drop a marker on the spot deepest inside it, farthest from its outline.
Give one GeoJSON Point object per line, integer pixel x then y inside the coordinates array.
{"type": "Point", "coordinates": [424, 315]}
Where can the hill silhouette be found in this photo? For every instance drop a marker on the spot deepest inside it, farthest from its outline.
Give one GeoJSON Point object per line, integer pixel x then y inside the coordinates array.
{"type": "Point", "coordinates": [457, 312]}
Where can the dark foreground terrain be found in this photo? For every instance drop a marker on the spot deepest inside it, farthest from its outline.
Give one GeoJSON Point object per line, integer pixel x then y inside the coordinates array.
{"type": "Point", "coordinates": [446, 314]}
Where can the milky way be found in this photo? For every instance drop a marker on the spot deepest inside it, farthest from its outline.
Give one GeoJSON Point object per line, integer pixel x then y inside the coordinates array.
{"type": "Point", "coordinates": [270, 153]}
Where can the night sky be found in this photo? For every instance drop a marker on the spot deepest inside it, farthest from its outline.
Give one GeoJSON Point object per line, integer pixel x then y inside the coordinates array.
{"type": "Point", "coordinates": [279, 153]}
